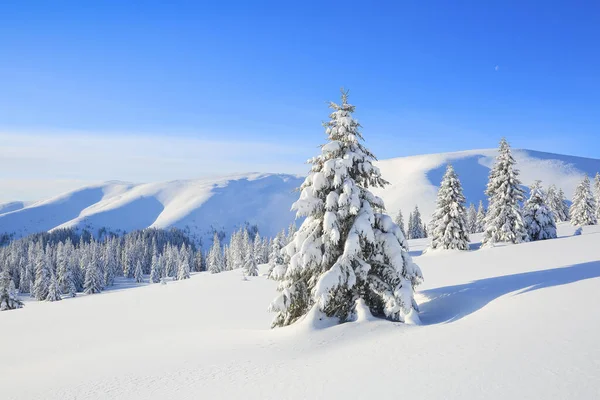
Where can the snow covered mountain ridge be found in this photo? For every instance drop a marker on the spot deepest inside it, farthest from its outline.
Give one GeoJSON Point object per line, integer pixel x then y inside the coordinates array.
{"type": "Point", "coordinates": [204, 205]}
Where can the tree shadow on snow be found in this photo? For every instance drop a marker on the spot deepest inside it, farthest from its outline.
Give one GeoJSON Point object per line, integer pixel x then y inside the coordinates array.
{"type": "Point", "coordinates": [451, 303]}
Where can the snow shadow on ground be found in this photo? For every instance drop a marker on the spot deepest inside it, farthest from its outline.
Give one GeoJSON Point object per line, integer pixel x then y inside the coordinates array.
{"type": "Point", "coordinates": [451, 303]}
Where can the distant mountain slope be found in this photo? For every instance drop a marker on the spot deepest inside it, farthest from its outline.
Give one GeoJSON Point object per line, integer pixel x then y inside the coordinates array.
{"type": "Point", "coordinates": [414, 180]}
{"type": "Point", "coordinates": [198, 205]}
{"type": "Point", "coordinates": [13, 206]}
{"type": "Point", "coordinates": [265, 199]}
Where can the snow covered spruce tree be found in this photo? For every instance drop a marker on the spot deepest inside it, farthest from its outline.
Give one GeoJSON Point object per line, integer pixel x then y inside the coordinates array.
{"type": "Point", "coordinates": [504, 220]}
{"type": "Point", "coordinates": [347, 249]}
{"type": "Point", "coordinates": [450, 230]}
{"type": "Point", "coordinates": [400, 222]}
{"type": "Point", "coordinates": [472, 218]}
{"type": "Point", "coordinates": [583, 208]}
{"type": "Point", "coordinates": [183, 269]}
{"type": "Point", "coordinates": [276, 257]}
{"type": "Point", "coordinates": [53, 289]}
{"type": "Point", "coordinates": [8, 294]}
{"type": "Point", "coordinates": [214, 261]}
{"type": "Point", "coordinates": [92, 282]}
{"type": "Point", "coordinates": [556, 202]}
{"type": "Point", "coordinates": [250, 265]}
{"type": "Point", "coordinates": [538, 217]}
{"type": "Point", "coordinates": [416, 228]}
{"type": "Point", "coordinates": [480, 218]}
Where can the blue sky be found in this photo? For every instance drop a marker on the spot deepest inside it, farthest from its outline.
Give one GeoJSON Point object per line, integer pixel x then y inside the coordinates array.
{"type": "Point", "coordinates": [426, 77]}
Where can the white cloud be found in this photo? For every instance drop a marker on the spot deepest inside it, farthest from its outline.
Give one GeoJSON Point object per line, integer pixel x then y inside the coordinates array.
{"type": "Point", "coordinates": [37, 165]}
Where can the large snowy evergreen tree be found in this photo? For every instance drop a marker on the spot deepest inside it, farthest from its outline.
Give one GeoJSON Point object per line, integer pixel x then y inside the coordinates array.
{"type": "Point", "coordinates": [539, 218]}
{"type": "Point", "coordinates": [347, 249]}
{"type": "Point", "coordinates": [583, 208]}
{"type": "Point", "coordinates": [504, 220]}
{"type": "Point", "coordinates": [449, 224]}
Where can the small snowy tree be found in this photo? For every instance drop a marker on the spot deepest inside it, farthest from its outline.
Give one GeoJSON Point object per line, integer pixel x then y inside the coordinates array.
{"type": "Point", "coordinates": [156, 268]}
{"type": "Point", "coordinates": [42, 272]}
{"type": "Point", "coordinates": [183, 272]}
{"type": "Point", "coordinates": [416, 226]}
{"type": "Point", "coordinates": [480, 218]}
{"type": "Point", "coordinates": [538, 217]}
{"type": "Point", "coordinates": [93, 280]}
{"type": "Point", "coordinates": [53, 289]}
{"type": "Point", "coordinates": [9, 299]}
{"type": "Point", "coordinates": [556, 203]}
{"type": "Point", "coordinates": [400, 222]}
{"type": "Point", "coordinates": [138, 273]}
{"type": "Point", "coordinates": [472, 218]}
{"type": "Point", "coordinates": [450, 230]}
{"type": "Point", "coordinates": [250, 266]}
{"type": "Point", "coordinates": [214, 260]}
{"type": "Point", "coordinates": [504, 220]}
{"type": "Point", "coordinates": [565, 205]}
{"type": "Point", "coordinates": [583, 208]}
{"type": "Point", "coordinates": [276, 262]}
{"type": "Point", "coordinates": [346, 250]}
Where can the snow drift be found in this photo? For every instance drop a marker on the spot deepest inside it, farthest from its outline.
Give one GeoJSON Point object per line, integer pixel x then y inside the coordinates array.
{"type": "Point", "coordinates": [511, 322]}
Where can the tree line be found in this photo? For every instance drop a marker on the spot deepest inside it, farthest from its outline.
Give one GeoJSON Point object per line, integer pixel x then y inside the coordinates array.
{"type": "Point", "coordinates": [48, 266]}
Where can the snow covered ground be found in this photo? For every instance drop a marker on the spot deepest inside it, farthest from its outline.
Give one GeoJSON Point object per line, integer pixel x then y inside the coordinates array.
{"type": "Point", "coordinates": [264, 199]}
{"type": "Point", "coordinates": [511, 322]}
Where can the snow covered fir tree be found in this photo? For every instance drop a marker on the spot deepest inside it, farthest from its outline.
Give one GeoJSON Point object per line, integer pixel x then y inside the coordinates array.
{"type": "Point", "coordinates": [504, 220]}
{"type": "Point", "coordinates": [539, 218]}
{"type": "Point", "coordinates": [481, 213]}
{"type": "Point", "coordinates": [450, 230]}
{"type": "Point", "coordinates": [556, 201]}
{"type": "Point", "coordinates": [416, 228]}
{"type": "Point", "coordinates": [472, 218]}
{"type": "Point", "coordinates": [400, 222]}
{"type": "Point", "coordinates": [347, 250]}
{"type": "Point", "coordinates": [583, 207]}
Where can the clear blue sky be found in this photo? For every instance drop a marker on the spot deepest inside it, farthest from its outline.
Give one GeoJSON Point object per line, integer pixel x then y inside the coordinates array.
{"type": "Point", "coordinates": [422, 74]}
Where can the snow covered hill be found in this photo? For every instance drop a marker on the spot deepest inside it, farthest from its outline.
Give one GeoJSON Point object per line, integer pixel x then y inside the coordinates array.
{"type": "Point", "coordinates": [197, 205]}
{"type": "Point", "coordinates": [265, 199]}
{"type": "Point", "coordinates": [511, 322]}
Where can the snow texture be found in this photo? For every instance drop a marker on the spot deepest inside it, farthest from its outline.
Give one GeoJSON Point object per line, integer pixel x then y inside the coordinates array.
{"type": "Point", "coordinates": [499, 323]}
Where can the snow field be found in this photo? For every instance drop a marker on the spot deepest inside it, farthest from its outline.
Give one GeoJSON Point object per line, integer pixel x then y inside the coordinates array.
{"type": "Point", "coordinates": [513, 321]}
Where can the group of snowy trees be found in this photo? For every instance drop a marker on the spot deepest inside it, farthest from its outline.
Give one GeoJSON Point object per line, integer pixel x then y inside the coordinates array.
{"type": "Point", "coordinates": [49, 265]}
{"type": "Point", "coordinates": [509, 218]}
{"type": "Point", "coordinates": [476, 218]}
{"type": "Point", "coordinates": [246, 250]}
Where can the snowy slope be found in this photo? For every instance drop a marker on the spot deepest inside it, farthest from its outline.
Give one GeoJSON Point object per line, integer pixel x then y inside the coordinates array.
{"type": "Point", "coordinates": [265, 199]}
{"type": "Point", "coordinates": [414, 180]}
{"type": "Point", "coordinates": [512, 322]}
{"type": "Point", "coordinates": [200, 205]}
{"type": "Point", "coordinates": [13, 206]}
